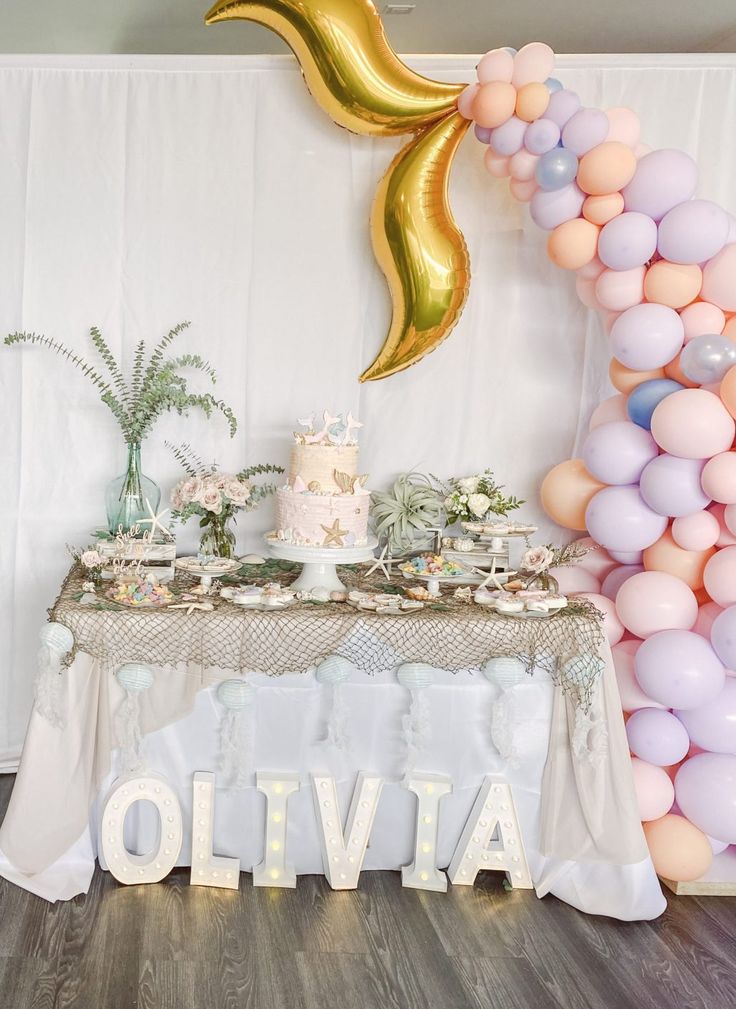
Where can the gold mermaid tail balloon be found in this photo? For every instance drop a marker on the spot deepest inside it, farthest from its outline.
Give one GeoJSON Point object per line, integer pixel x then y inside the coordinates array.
{"type": "Point", "coordinates": [361, 83]}
{"type": "Point", "coordinates": [419, 248]}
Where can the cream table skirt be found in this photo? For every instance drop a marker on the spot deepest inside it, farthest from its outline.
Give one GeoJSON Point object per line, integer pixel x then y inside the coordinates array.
{"type": "Point", "coordinates": [583, 838]}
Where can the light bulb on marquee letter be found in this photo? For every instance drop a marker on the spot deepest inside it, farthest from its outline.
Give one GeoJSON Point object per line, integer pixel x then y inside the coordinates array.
{"type": "Point", "coordinates": [208, 869]}
{"type": "Point", "coordinates": [423, 873]}
{"type": "Point", "coordinates": [475, 850]}
{"type": "Point", "coordinates": [152, 867]}
{"type": "Point", "coordinates": [343, 854]}
{"type": "Point", "coordinates": [274, 870]}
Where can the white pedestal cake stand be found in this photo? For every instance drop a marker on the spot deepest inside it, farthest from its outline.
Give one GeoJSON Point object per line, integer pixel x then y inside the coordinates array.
{"type": "Point", "coordinates": [319, 564]}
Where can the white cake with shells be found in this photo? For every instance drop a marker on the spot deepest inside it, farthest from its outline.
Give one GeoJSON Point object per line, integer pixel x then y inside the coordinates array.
{"type": "Point", "coordinates": [325, 502]}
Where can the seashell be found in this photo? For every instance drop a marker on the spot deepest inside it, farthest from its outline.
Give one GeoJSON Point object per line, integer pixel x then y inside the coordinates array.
{"type": "Point", "coordinates": [134, 677]}
{"type": "Point", "coordinates": [57, 637]}
{"type": "Point", "coordinates": [505, 671]}
{"type": "Point", "coordinates": [252, 559]}
{"type": "Point", "coordinates": [464, 594]}
{"type": "Point", "coordinates": [314, 486]}
{"type": "Point", "coordinates": [418, 592]}
{"type": "Point", "coordinates": [338, 597]}
{"type": "Point", "coordinates": [464, 544]}
{"type": "Point", "coordinates": [334, 669]}
{"type": "Point", "coordinates": [415, 675]}
{"type": "Point", "coordinates": [235, 694]}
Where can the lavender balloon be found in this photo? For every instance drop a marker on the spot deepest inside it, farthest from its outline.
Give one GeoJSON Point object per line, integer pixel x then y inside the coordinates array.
{"type": "Point", "coordinates": [679, 669]}
{"type": "Point", "coordinates": [562, 106]}
{"type": "Point", "coordinates": [712, 726]}
{"type": "Point", "coordinates": [657, 736]}
{"type": "Point", "coordinates": [509, 138]}
{"type": "Point", "coordinates": [617, 452]}
{"type": "Point", "coordinates": [693, 232]}
{"type": "Point", "coordinates": [585, 130]}
{"type": "Point", "coordinates": [707, 358]}
{"type": "Point", "coordinates": [628, 557]}
{"type": "Point", "coordinates": [705, 788]}
{"type": "Point", "coordinates": [662, 180]}
{"type": "Point", "coordinates": [671, 486]}
{"type": "Point", "coordinates": [556, 169]}
{"type": "Point", "coordinates": [553, 207]}
{"type": "Point", "coordinates": [541, 136]}
{"type": "Point", "coordinates": [618, 519]}
{"type": "Point", "coordinates": [723, 637]}
{"type": "Point", "coordinates": [482, 133]}
{"type": "Point", "coordinates": [615, 579]}
{"type": "Point", "coordinates": [627, 241]}
{"type": "Point", "coordinates": [647, 336]}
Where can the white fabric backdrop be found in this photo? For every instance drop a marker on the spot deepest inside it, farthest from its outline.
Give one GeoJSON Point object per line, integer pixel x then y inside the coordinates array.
{"type": "Point", "coordinates": [139, 191]}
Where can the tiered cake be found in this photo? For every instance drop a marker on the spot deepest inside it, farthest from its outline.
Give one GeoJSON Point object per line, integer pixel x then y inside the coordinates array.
{"type": "Point", "coordinates": [325, 502]}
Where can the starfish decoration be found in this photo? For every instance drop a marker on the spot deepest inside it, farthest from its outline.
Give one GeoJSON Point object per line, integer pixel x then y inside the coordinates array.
{"type": "Point", "coordinates": [382, 564]}
{"type": "Point", "coordinates": [334, 535]}
{"type": "Point", "coordinates": [191, 607]}
{"type": "Point", "coordinates": [154, 521]}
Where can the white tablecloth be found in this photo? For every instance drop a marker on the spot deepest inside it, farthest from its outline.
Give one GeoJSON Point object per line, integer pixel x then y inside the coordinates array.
{"type": "Point", "coordinates": [46, 850]}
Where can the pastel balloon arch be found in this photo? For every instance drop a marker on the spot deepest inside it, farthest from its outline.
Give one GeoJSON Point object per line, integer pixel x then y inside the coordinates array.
{"type": "Point", "coordinates": [656, 485]}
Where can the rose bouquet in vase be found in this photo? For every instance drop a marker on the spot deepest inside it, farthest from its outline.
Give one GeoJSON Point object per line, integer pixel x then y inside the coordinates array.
{"type": "Point", "coordinates": [216, 498]}
{"type": "Point", "coordinates": [536, 563]}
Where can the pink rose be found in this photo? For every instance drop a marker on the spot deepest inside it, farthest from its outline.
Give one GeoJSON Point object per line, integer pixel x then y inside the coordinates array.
{"type": "Point", "coordinates": [91, 559]}
{"type": "Point", "coordinates": [238, 491]}
{"type": "Point", "coordinates": [211, 500]}
{"type": "Point", "coordinates": [190, 489]}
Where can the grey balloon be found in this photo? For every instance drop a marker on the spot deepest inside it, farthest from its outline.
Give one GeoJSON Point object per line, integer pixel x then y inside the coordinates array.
{"type": "Point", "coordinates": [707, 358]}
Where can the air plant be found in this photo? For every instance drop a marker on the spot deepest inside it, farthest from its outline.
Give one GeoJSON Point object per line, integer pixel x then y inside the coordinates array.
{"type": "Point", "coordinates": [403, 514]}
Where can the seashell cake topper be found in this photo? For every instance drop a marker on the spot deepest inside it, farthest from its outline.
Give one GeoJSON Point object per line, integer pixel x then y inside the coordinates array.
{"type": "Point", "coordinates": [335, 430]}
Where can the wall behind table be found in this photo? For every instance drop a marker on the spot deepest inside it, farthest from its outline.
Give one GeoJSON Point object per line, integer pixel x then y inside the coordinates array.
{"type": "Point", "coordinates": [139, 191]}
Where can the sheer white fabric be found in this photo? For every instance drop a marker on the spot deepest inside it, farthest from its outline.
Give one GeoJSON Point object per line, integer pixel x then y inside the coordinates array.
{"type": "Point", "coordinates": [138, 191]}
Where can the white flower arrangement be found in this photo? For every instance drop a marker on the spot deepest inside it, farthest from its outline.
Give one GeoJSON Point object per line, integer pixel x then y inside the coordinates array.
{"type": "Point", "coordinates": [470, 498]}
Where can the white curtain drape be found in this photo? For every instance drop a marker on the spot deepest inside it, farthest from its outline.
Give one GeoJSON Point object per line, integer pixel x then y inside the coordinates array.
{"type": "Point", "coordinates": [139, 191]}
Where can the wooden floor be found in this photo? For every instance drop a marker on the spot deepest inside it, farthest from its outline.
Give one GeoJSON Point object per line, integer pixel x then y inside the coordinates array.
{"type": "Point", "coordinates": [172, 946]}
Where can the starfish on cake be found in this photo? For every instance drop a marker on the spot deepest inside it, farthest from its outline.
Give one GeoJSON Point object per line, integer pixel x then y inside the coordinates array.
{"type": "Point", "coordinates": [335, 534]}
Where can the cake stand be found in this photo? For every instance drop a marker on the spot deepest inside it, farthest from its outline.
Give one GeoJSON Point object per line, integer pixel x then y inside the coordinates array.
{"type": "Point", "coordinates": [319, 564]}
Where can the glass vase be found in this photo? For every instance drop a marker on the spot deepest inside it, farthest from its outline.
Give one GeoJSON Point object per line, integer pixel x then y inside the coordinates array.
{"type": "Point", "coordinates": [218, 537]}
{"type": "Point", "coordinates": [127, 494]}
{"type": "Point", "coordinates": [542, 582]}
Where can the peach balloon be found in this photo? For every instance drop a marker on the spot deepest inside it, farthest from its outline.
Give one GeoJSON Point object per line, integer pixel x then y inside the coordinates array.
{"type": "Point", "coordinates": [496, 164]}
{"type": "Point", "coordinates": [719, 279]}
{"type": "Point", "coordinates": [523, 190]}
{"type": "Point", "coordinates": [626, 379]}
{"type": "Point", "coordinates": [613, 408]}
{"type": "Point", "coordinates": [466, 99]}
{"type": "Point", "coordinates": [573, 243]}
{"type": "Point", "coordinates": [523, 165]}
{"type": "Point", "coordinates": [672, 284]}
{"type": "Point", "coordinates": [719, 479]}
{"type": "Point", "coordinates": [494, 104]}
{"type": "Point", "coordinates": [606, 168]}
{"type": "Point", "coordinates": [624, 126]}
{"type": "Point", "coordinates": [698, 531]}
{"type": "Point", "coordinates": [534, 62]}
{"type": "Point", "coordinates": [675, 372]}
{"type": "Point", "coordinates": [602, 209]}
{"type": "Point", "coordinates": [566, 492]}
{"type": "Point", "coordinates": [729, 517]}
{"type": "Point", "coordinates": [654, 789]}
{"type": "Point", "coordinates": [701, 318]}
{"type": "Point", "coordinates": [687, 565]}
{"type": "Point", "coordinates": [631, 694]}
{"type": "Point", "coordinates": [706, 615]}
{"type": "Point", "coordinates": [727, 538]}
{"type": "Point", "coordinates": [618, 290]}
{"type": "Point", "coordinates": [729, 328]}
{"type": "Point", "coordinates": [728, 391]}
{"type": "Point", "coordinates": [693, 424]}
{"type": "Point", "coordinates": [720, 577]}
{"type": "Point", "coordinates": [678, 849]}
{"type": "Point", "coordinates": [532, 101]}
{"type": "Point", "coordinates": [612, 626]}
{"type": "Point", "coordinates": [497, 65]}
{"type": "Point", "coordinates": [656, 601]}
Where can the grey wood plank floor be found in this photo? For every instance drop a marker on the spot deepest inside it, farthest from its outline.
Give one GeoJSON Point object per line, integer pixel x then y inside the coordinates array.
{"type": "Point", "coordinates": [172, 946]}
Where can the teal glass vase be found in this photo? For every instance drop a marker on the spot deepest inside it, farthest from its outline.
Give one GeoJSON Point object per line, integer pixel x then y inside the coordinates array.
{"type": "Point", "coordinates": [126, 495]}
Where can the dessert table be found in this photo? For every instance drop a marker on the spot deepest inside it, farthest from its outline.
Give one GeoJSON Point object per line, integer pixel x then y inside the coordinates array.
{"type": "Point", "coordinates": [553, 730]}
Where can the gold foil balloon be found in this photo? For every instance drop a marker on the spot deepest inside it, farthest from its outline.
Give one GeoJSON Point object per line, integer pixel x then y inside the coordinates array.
{"type": "Point", "coordinates": [348, 65]}
{"type": "Point", "coordinates": [361, 83]}
{"type": "Point", "coordinates": [419, 247]}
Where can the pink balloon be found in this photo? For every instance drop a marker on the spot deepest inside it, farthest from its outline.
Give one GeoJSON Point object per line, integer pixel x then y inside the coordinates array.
{"type": "Point", "coordinates": [679, 669]}
{"type": "Point", "coordinates": [692, 424]}
{"type": "Point", "coordinates": [591, 270]}
{"type": "Point", "coordinates": [719, 279]}
{"type": "Point", "coordinates": [657, 736]}
{"type": "Point", "coordinates": [534, 62]}
{"type": "Point", "coordinates": [654, 789]}
{"type": "Point", "coordinates": [632, 696]}
{"type": "Point", "coordinates": [654, 601]}
{"type": "Point", "coordinates": [624, 126]}
{"type": "Point", "coordinates": [672, 486]}
{"type": "Point", "coordinates": [661, 181]}
{"type": "Point", "coordinates": [729, 517]}
{"type": "Point", "coordinates": [523, 191]}
{"type": "Point", "coordinates": [719, 577]}
{"type": "Point", "coordinates": [496, 165]}
{"type": "Point", "coordinates": [612, 626]}
{"type": "Point", "coordinates": [713, 725]}
{"type": "Point", "coordinates": [646, 337]}
{"type": "Point", "coordinates": [618, 290]}
{"type": "Point", "coordinates": [617, 452]}
{"type": "Point", "coordinates": [698, 531]}
{"type": "Point", "coordinates": [466, 99]}
{"type": "Point", "coordinates": [613, 408]}
{"type": "Point", "coordinates": [705, 788]}
{"type": "Point", "coordinates": [597, 560]}
{"type": "Point", "coordinates": [496, 65]}
{"type": "Point", "coordinates": [616, 577]}
{"type": "Point", "coordinates": [585, 130]}
{"type": "Point", "coordinates": [585, 290]}
{"type": "Point", "coordinates": [719, 478]}
{"type": "Point", "coordinates": [692, 232]}
{"type": "Point", "coordinates": [627, 241]}
{"type": "Point", "coordinates": [727, 538]}
{"type": "Point", "coordinates": [523, 164]}
{"type": "Point", "coordinates": [552, 208]}
{"type": "Point", "coordinates": [706, 616]}
{"type": "Point", "coordinates": [575, 579]}
{"type": "Point", "coordinates": [701, 318]}
{"type": "Point", "coordinates": [618, 519]}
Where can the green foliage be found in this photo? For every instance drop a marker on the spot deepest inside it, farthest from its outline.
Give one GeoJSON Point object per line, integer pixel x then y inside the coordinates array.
{"type": "Point", "coordinates": [154, 387]}
{"type": "Point", "coordinates": [464, 496]}
{"type": "Point", "coordinates": [405, 513]}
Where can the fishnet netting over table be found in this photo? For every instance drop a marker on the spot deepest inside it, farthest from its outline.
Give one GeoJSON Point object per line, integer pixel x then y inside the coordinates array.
{"type": "Point", "coordinates": [449, 634]}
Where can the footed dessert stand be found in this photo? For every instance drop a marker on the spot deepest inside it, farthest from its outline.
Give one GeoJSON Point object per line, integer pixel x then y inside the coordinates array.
{"type": "Point", "coordinates": [319, 564]}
